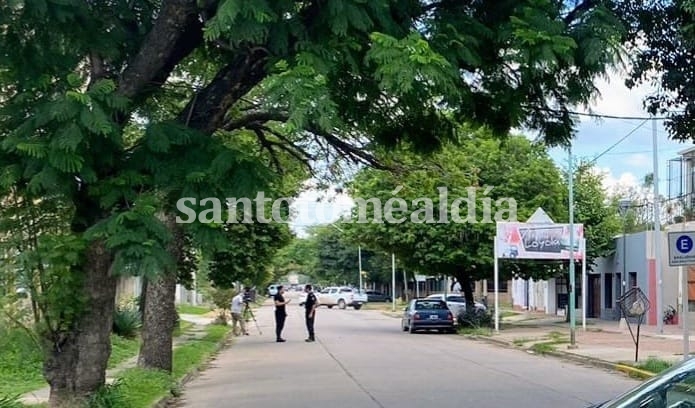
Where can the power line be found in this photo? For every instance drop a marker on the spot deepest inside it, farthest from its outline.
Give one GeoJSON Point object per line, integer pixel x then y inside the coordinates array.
{"type": "Point", "coordinates": [630, 133]}
{"type": "Point", "coordinates": [606, 116]}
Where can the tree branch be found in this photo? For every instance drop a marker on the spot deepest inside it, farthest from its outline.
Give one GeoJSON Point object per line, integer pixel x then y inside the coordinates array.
{"type": "Point", "coordinates": [230, 84]}
{"type": "Point", "coordinates": [256, 118]}
{"type": "Point", "coordinates": [175, 34]}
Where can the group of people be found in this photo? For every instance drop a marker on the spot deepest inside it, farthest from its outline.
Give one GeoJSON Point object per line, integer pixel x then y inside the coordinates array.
{"type": "Point", "coordinates": [310, 305]}
{"type": "Point", "coordinates": [242, 299]}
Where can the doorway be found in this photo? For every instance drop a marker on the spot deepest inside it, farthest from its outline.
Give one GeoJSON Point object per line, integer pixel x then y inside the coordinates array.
{"type": "Point", "coordinates": [594, 297]}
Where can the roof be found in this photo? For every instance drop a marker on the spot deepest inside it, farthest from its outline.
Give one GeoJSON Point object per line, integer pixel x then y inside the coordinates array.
{"type": "Point", "coordinates": [687, 152]}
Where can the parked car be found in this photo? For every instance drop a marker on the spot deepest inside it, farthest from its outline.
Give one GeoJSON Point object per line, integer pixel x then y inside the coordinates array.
{"type": "Point", "coordinates": [342, 296]}
{"type": "Point", "coordinates": [374, 296]}
{"type": "Point", "coordinates": [456, 303]}
{"type": "Point", "coordinates": [673, 388]}
{"type": "Point", "coordinates": [427, 314]}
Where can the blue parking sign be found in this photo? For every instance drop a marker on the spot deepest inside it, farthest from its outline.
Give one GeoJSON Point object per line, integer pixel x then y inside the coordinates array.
{"type": "Point", "coordinates": [684, 244]}
{"type": "Point", "coordinates": [681, 248]}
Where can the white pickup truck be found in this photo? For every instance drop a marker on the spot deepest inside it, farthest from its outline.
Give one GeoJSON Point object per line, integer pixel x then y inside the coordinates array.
{"type": "Point", "coordinates": [342, 296]}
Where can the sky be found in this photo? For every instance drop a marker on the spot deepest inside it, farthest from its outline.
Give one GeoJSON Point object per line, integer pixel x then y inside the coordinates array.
{"type": "Point", "coordinates": [623, 165]}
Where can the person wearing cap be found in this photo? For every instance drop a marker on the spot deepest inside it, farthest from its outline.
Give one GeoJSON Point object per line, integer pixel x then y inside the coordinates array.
{"type": "Point", "coordinates": [310, 306]}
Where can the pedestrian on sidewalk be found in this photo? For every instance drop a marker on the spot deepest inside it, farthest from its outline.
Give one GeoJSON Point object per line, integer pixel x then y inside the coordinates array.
{"type": "Point", "coordinates": [310, 306]}
{"type": "Point", "coordinates": [456, 287]}
{"type": "Point", "coordinates": [238, 303]}
{"type": "Point", "coordinates": [280, 313]}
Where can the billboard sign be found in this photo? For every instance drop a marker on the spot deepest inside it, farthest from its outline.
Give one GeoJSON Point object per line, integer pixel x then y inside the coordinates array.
{"type": "Point", "coordinates": [518, 240]}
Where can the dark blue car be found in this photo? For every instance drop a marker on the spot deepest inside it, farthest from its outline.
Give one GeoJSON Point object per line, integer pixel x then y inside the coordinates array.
{"type": "Point", "coordinates": [427, 314]}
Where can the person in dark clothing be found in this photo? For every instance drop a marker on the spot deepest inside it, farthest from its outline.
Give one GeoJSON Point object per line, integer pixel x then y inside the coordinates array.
{"type": "Point", "coordinates": [280, 313]}
{"type": "Point", "coordinates": [310, 306]}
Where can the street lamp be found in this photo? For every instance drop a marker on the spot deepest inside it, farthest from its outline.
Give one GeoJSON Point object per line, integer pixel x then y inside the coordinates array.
{"type": "Point", "coordinates": [623, 207]}
{"type": "Point", "coordinates": [359, 256]}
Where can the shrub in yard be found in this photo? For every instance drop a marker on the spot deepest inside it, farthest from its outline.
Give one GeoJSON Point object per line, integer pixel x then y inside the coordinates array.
{"type": "Point", "coordinates": [127, 321]}
{"type": "Point", "coordinates": [108, 396]}
{"type": "Point", "coordinates": [222, 298]}
{"type": "Point", "coordinates": [475, 318]}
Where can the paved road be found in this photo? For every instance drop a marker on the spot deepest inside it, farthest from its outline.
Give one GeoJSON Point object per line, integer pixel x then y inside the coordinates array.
{"type": "Point", "coordinates": [362, 360]}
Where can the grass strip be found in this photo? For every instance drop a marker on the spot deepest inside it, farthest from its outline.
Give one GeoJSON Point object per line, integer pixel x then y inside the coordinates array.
{"type": "Point", "coordinates": [193, 310]}
{"type": "Point", "coordinates": [141, 388]}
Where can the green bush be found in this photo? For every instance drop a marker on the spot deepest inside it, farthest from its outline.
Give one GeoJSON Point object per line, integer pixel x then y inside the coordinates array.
{"type": "Point", "coordinates": [127, 321]}
{"type": "Point", "coordinates": [108, 396]}
{"type": "Point", "coordinates": [475, 318]}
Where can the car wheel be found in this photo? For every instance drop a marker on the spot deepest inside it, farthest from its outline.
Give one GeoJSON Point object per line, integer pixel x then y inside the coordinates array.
{"type": "Point", "coordinates": [411, 329]}
{"type": "Point", "coordinates": [357, 307]}
{"type": "Point", "coordinates": [404, 327]}
{"type": "Point", "coordinates": [341, 304]}
{"type": "Point", "coordinates": [330, 306]}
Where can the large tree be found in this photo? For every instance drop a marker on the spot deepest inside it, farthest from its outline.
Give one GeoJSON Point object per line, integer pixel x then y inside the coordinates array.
{"type": "Point", "coordinates": [661, 51]}
{"type": "Point", "coordinates": [304, 76]}
{"type": "Point", "coordinates": [497, 180]}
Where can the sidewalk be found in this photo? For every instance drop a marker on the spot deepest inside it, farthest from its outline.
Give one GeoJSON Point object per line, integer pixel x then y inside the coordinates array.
{"type": "Point", "coordinates": [197, 331]}
{"type": "Point", "coordinates": [604, 341]}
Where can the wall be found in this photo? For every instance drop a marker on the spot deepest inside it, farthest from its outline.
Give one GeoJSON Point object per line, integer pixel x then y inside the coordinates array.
{"type": "Point", "coordinates": [630, 256]}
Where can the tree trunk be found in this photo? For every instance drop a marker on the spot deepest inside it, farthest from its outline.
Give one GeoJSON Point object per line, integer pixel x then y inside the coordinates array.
{"type": "Point", "coordinates": [159, 317]}
{"type": "Point", "coordinates": [464, 278]}
{"type": "Point", "coordinates": [76, 361]}
{"type": "Point", "coordinates": [158, 323]}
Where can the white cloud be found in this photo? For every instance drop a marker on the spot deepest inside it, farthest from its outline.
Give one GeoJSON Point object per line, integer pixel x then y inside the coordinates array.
{"type": "Point", "coordinates": [314, 207]}
{"type": "Point", "coordinates": [616, 99]}
{"type": "Point", "coordinates": [639, 160]}
{"type": "Point", "coordinates": [617, 185]}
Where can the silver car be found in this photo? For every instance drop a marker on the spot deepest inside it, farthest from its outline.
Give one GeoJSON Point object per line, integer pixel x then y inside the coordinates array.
{"type": "Point", "coordinates": [673, 388]}
{"type": "Point", "coordinates": [456, 303]}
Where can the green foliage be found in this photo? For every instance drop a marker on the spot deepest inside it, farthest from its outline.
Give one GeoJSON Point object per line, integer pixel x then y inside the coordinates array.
{"type": "Point", "coordinates": [21, 362]}
{"type": "Point", "coordinates": [127, 321]}
{"type": "Point", "coordinates": [661, 39]}
{"type": "Point", "coordinates": [475, 318]}
{"type": "Point", "coordinates": [108, 396]}
{"type": "Point", "coordinates": [10, 402]}
{"type": "Point", "coordinates": [481, 169]}
{"type": "Point", "coordinates": [593, 209]}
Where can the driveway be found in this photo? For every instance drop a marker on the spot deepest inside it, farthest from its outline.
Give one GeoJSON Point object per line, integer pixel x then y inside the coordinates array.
{"type": "Point", "coordinates": [363, 359]}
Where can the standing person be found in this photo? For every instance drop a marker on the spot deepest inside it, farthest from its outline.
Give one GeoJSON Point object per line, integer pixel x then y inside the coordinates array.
{"type": "Point", "coordinates": [456, 288]}
{"type": "Point", "coordinates": [280, 313]}
{"type": "Point", "coordinates": [310, 306]}
{"type": "Point", "coordinates": [238, 303]}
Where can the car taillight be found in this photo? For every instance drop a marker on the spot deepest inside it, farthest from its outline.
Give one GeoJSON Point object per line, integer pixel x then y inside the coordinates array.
{"type": "Point", "coordinates": [416, 316]}
{"type": "Point", "coordinates": [449, 316]}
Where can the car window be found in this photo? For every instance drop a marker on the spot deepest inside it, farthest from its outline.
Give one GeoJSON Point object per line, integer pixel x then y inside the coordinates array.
{"type": "Point", "coordinates": [458, 299]}
{"type": "Point", "coordinates": [345, 290]}
{"type": "Point", "coordinates": [430, 305]}
{"type": "Point", "coordinates": [324, 291]}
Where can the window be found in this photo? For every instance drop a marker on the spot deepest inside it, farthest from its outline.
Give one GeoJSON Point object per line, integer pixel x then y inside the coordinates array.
{"type": "Point", "coordinates": [430, 305]}
{"type": "Point", "coordinates": [457, 299]}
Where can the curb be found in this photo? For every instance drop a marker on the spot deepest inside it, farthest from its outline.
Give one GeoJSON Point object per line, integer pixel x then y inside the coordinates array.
{"type": "Point", "coordinates": [634, 371]}
{"type": "Point", "coordinates": [626, 369]}
{"type": "Point", "coordinates": [168, 399]}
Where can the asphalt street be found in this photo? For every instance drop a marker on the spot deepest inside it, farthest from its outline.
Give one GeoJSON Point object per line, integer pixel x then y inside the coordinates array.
{"type": "Point", "coordinates": [362, 359]}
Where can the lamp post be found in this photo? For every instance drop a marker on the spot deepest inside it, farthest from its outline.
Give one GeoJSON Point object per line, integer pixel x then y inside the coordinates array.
{"type": "Point", "coordinates": [623, 207]}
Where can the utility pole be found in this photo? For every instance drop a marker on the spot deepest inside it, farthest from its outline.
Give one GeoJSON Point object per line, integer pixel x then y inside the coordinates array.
{"type": "Point", "coordinates": [571, 255]}
{"type": "Point", "coordinates": [657, 235]}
